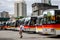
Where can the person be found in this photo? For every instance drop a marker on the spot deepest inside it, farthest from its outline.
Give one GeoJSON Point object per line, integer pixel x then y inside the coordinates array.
{"type": "Point", "coordinates": [21, 30]}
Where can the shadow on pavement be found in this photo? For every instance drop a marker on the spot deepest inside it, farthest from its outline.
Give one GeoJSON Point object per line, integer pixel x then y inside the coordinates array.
{"type": "Point", "coordinates": [8, 30]}
{"type": "Point", "coordinates": [6, 39]}
{"type": "Point", "coordinates": [30, 32]}
{"type": "Point", "coordinates": [57, 37]}
{"type": "Point", "coordinates": [30, 37]}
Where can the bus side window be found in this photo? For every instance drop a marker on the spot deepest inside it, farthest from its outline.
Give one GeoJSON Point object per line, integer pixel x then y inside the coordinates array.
{"type": "Point", "coordinates": [44, 21]}
{"type": "Point", "coordinates": [33, 21]}
{"type": "Point", "coordinates": [41, 21]}
{"type": "Point", "coordinates": [51, 20]}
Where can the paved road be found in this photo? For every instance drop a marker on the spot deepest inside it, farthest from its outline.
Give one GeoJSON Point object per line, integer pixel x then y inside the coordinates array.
{"type": "Point", "coordinates": [13, 35]}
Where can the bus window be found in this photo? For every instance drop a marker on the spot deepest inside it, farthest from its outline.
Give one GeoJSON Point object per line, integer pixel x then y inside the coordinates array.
{"type": "Point", "coordinates": [40, 21]}
{"type": "Point", "coordinates": [27, 22]}
{"type": "Point", "coordinates": [22, 21]}
{"type": "Point", "coordinates": [53, 19]}
{"type": "Point", "coordinates": [33, 20]}
{"type": "Point", "coordinates": [50, 20]}
{"type": "Point", "coordinates": [57, 19]}
{"type": "Point", "coordinates": [44, 21]}
{"type": "Point", "coordinates": [57, 14]}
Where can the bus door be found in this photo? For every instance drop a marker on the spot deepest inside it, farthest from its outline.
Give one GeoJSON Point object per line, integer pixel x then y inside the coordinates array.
{"type": "Point", "coordinates": [39, 25]}
{"type": "Point", "coordinates": [32, 24]}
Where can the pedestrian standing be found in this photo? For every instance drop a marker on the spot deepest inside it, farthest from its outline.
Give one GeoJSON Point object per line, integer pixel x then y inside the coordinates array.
{"type": "Point", "coordinates": [21, 30]}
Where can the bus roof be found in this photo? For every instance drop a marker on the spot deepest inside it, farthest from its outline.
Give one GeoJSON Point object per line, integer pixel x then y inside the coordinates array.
{"type": "Point", "coordinates": [50, 11]}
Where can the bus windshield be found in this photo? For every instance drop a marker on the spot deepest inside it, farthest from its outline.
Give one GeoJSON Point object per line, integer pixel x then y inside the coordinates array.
{"type": "Point", "coordinates": [40, 21]}
{"type": "Point", "coordinates": [26, 22]}
{"type": "Point", "coordinates": [52, 19]}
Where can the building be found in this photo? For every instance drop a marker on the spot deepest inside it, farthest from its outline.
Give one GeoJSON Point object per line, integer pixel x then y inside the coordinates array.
{"type": "Point", "coordinates": [4, 14]}
{"type": "Point", "coordinates": [38, 8]}
{"type": "Point", "coordinates": [46, 1]}
{"type": "Point", "coordinates": [0, 14]}
{"type": "Point", "coordinates": [20, 9]}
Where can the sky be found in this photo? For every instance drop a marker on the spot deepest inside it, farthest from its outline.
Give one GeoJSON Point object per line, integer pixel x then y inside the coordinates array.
{"type": "Point", "coordinates": [8, 5]}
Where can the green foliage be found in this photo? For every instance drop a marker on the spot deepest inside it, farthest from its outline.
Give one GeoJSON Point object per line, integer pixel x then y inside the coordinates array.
{"type": "Point", "coordinates": [4, 19]}
{"type": "Point", "coordinates": [19, 17]}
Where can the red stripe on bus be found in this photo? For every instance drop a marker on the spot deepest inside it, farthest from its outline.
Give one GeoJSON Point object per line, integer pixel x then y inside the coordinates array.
{"type": "Point", "coordinates": [51, 26]}
{"type": "Point", "coordinates": [25, 26]}
{"type": "Point", "coordinates": [56, 26]}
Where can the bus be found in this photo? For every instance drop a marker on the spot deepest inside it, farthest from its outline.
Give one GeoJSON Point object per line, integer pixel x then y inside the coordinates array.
{"type": "Point", "coordinates": [31, 24]}
{"type": "Point", "coordinates": [50, 23]}
{"type": "Point", "coordinates": [25, 23]}
{"type": "Point", "coordinates": [47, 23]}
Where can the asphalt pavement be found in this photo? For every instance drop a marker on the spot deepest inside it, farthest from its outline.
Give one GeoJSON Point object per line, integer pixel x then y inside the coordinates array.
{"type": "Point", "coordinates": [14, 35]}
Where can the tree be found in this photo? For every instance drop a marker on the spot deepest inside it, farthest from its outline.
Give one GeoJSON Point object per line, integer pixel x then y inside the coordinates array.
{"type": "Point", "coordinates": [4, 19]}
{"type": "Point", "coordinates": [19, 17]}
